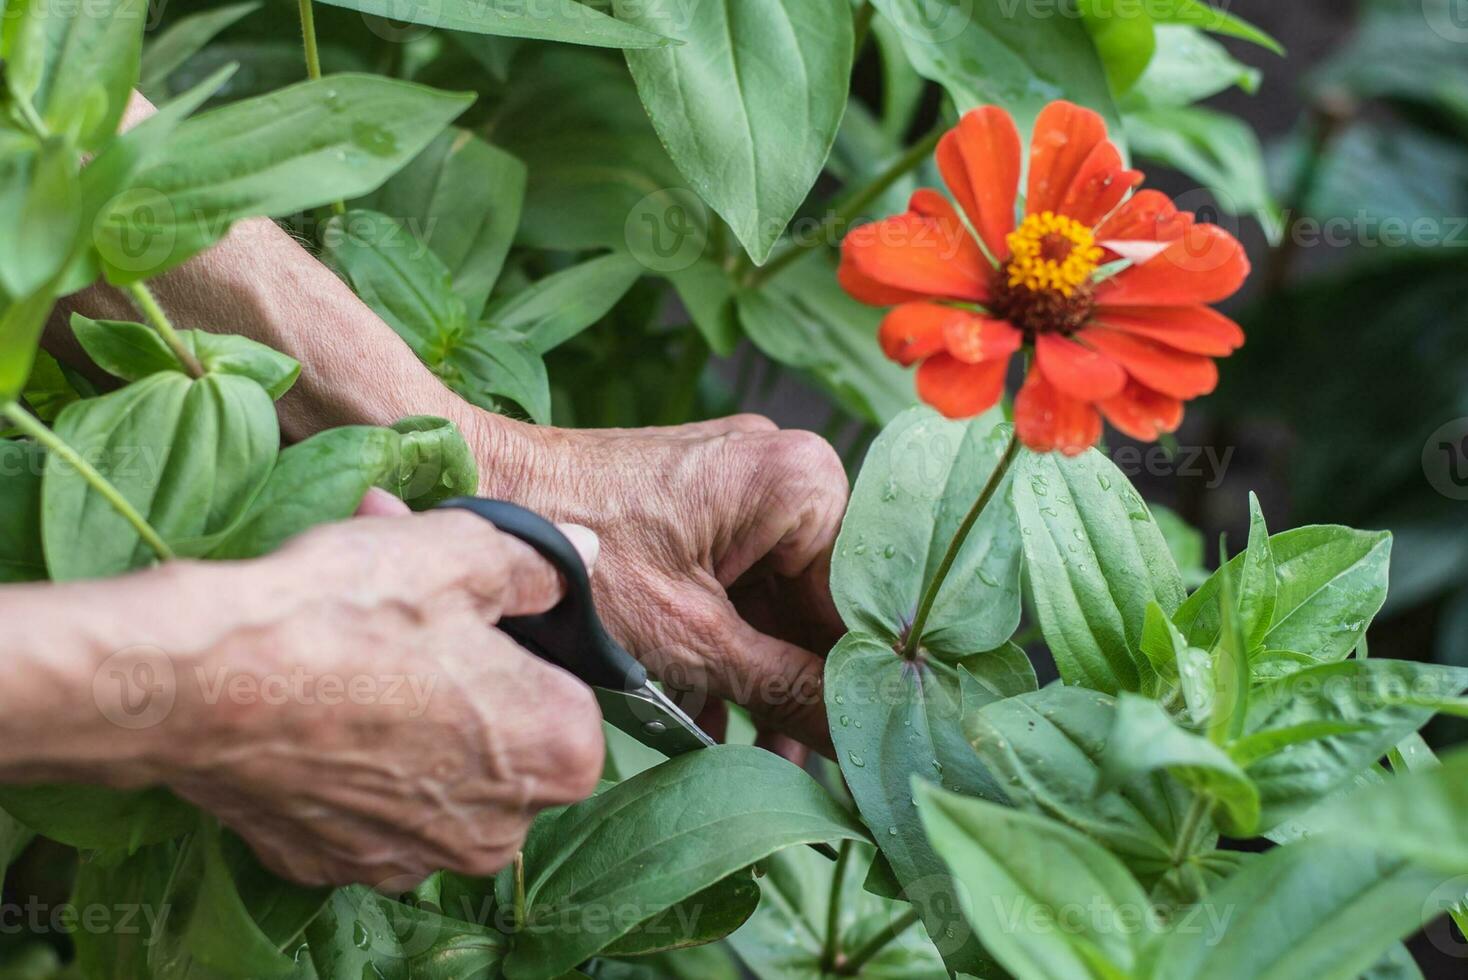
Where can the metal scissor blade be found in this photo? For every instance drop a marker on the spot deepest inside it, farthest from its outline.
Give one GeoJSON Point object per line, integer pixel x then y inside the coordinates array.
{"type": "Point", "coordinates": [649, 716]}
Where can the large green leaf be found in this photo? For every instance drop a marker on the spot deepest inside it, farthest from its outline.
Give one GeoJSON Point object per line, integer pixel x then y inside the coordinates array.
{"type": "Point", "coordinates": [188, 454]}
{"type": "Point", "coordinates": [654, 840]}
{"type": "Point", "coordinates": [21, 557]}
{"type": "Point", "coordinates": [552, 310]}
{"type": "Point", "coordinates": [1315, 909]}
{"type": "Point", "coordinates": [1369, 694]}
{"type": "Point", "coordinates": [132, 351]}
{"type": "Point", "coordinates": [1046, 751]}
{"type": "Point", "coordinates": [490, 367]}
{"type": "Point", "coordinates": [299, 147]}
{"type": "Point", "coordinates": [544, 20]}
{"type": "Point", "coordinates": [749, 103]}
{"type": "Point", "coordinates": [462, 197]}
{"type": "Point", "coordinates": [1144, 739]}
{"type": "Point", "coordinates": [1018, 57]}
{"type": "Point", "coordinates": [893, 721]}
{"type": "Point", "coordinates": [785, 939]}
{"type": "Point", "coordinates": [920, 478]}
{"type": "Point", "coordinates": [1017, 868]}
{"type": "Point", "coordinates": [1331, 582]}
{"type": "Point", "coordinates": [361, 934]}
{"type": "Point", "coordinates": [1095, 560]}
{"type": "Point", "coordinates": [76, 65]}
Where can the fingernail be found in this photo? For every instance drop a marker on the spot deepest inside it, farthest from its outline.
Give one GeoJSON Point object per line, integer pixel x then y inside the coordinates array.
{"type": "Point", "coordinates": [380, 503]}
{"type": "Point", "coordinates": [587, 544]}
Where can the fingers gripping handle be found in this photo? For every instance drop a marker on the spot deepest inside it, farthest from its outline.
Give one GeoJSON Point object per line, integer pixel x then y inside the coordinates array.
{"type": "Point", "coordinates": [571, 635]}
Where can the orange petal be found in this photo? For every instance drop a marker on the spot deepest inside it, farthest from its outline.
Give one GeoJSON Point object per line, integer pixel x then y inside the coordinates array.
{"type": "Point", "coordinates": [980, 162]}
{"type": "Point", "coordinates": [1046, 420]}
{"type": "Point", "coordinates": [926, 252]}
{"type": "Point", "coordinates": [913, 331]}
{"type": "Point", "coordinates": [1205, 265]}
{"type": "Point", "coordinates": [1142, 413]}
{"type": "Point", "coordinates": [1148, 216]}
{"type": "Point", "coordinates": [1065, 134]}
{"type": "Point", "coordinates": [1077, 371]}
{"type": "Point", "coordinates": [979, 338]}
{"type": "Point", "coordinates": [864, 289]}
{"type": "Point", "coordinates": [960, 390]}
{"type": "Point", "coordinates": [1155, 365]}
{"type": "Point", "coordinates": [1099, 185]}
{"type": "Point", "coordinates": [1195, 329]}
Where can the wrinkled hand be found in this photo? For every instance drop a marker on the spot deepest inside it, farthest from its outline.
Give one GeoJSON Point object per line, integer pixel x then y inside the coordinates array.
{"type": "Point", "coordinates": [453, 738]}
{"type": "Point", "coordinates": [716, 548]}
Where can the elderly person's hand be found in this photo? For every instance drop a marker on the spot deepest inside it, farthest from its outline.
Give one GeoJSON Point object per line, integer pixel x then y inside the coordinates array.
{"type": "Point", "coordinates": [346, 705]}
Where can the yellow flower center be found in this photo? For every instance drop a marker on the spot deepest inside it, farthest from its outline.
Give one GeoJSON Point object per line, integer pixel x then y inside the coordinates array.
{"type": "Point", "coordinates": [1052, 253]}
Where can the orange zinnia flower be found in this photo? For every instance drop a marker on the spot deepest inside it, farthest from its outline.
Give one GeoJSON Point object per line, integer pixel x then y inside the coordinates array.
{"type": "Point", "coordinates": [1131, 346]}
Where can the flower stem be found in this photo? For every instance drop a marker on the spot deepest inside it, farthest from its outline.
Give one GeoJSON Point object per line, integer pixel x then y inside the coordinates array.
{"type": "Point", "coordinates": [852, 966]}
{"type": "Point", "coordinates": [518, 912]}
{"type": "Point", "coordinates": [833, 910]}
{"type": "Point", "coordinates": [158, 320]}
{"type": "Point", "coordinates": [31, 426]}
{"type": "Point", "coordinates": [920, 621]}
{"type": "Point", "coordinates": [313, 60]}
{"type": "Point", "coordinates": [849, 208]}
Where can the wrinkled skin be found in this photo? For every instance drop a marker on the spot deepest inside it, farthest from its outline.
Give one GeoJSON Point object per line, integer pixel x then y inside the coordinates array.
{"type": "Point", "coordinates": [716, 551]}
{"type": "Point", "coordinates": [448, 777]}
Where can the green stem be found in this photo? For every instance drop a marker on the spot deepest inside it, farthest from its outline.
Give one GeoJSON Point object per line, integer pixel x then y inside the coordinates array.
{"type": "Point", "coordinates": [308, 35]}
{"type": "Point", "coordinates": [851, 207]}
{"type": "Point", "coordinates": [31, 426]}
{"type": "Point", "coordinates": [852, 966]}
{"type": "Point", "coordinates": [30, 117]}
{"type": "Point", "coordinates": [920, 621]}
{"type": "Point", "coordinates": [833, 910]}
{"type": "Point", "coordinates": [153, 313]}
{"type": "Point", "coordinates": [1201, 806]}
{"type": "Point", "coordinates": [518, 912]}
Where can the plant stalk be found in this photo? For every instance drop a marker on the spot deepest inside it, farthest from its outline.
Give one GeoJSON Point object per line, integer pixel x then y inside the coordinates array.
{"type": "Point", "coordinates": [32, 427]}
{"type": "Point", "coordinates": [1201, 806]}
{"type": "Point", "coordinates": [852, 966]}
{"type": "Point", "coordinates": [518, 912]}
{"type": "Point", "coordinates": [158, 320]}
{"type": "Point", "coordinates": [851, 207]}
{"type": "Point", "coordinates": [920, 621]}
{"type": "Point", "coordinates": [30, 117]}
{"type": "Point", "coordinates": [313, 60]}
{"type": "Point", "coordinates": [833, 909]}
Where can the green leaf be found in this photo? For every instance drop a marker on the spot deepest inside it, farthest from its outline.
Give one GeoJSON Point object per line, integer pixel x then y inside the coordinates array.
{"type": "Point", "coordinates": [705, 917]}
{"type": "Point", "coordinates": [1314, 909]}
{"type": "Point", "coordinates": [552, 310]}
{"type": "Point", "coordinates": [805, 320]}
{"type": "Point", "coordinates": [75, 65]}
{"type": "Point", "coordinates": [1046, 750]}
{"type": "Point", "coordinates": [893, 720]}
{"type": "Point", "coordinates": [462, 197]}
{"type": "Point", "coordinates": [296, 148]}
{"type": "Point", "coordinates": [189, 455]}
{"type": "Point", "coordinates": [921, 477]}
{"type": "Point", "coordinates": [1144, 739]}
{"type": "Point", "coordinates": [1017, 57]}
{"type": "Point", "coordinates": [785, 938]}
{"type": "Point", "coordinates": [1095, 560]}
{"type": "Point", "coordinates": [1231, 675]}
{"type": "Point", "coordinates": [1199, 14]}
{"type": "Point", "coordinates": [98, 818]}
{"type": "Point", "coordinates": [41, 208]}
{"type": "Point", "coordinates": [111, 880]}
{"type": "Point", "coordinates": [1124, 39]}
{"type": "Point", "coordinates": [654, 840]}
{"type": "Point", "coordinates": [550, 20]}
{"type": "Point", "coordinates": [488, 368]}
{"type": "Point", "coordinates": [1219, 151]}
{"type": "Point", "coordinates": [21, 557]}
{"type": "Point", "coordinates": [1018, 868]}
{"type": "Point", "coordinates": [430, 463]}
{"type": "Point", "coordinates": [360, 933]}
{"type": "Point", "coordinates": [1258, 586]}
{"type": "Point", "coordinates": [227, 916]}
{"type": "Point", "coordinates": [1355, 692]}
{"type": "Point", "coordinates": [21, 323]}
{"type": "Point", "coordinates": [133, 351]}
{"type": "Point", "coordinates": [1331, 582]}
{"type": "Point", "coordinates": [749, 103]}
{"type": "Point", "coordinates": [707, 292]}
{"type": "Point", "coordinates": [1188, 67]}
{"type": "Point", "coordinates": [183, 39]}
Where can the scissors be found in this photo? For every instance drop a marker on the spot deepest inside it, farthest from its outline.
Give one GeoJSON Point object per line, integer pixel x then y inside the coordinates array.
{"type": "Point", "coordinates": [572, 637]}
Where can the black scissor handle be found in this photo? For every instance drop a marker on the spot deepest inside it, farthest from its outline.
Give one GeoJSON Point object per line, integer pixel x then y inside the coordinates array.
{"type": "Point", "coordinates": [571, 635]}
